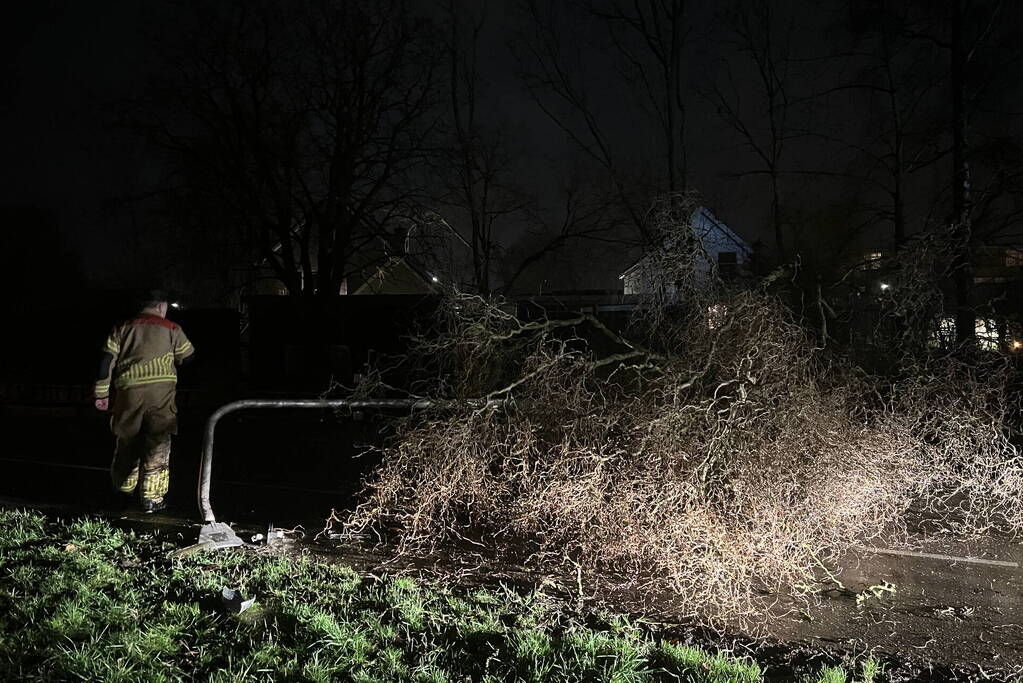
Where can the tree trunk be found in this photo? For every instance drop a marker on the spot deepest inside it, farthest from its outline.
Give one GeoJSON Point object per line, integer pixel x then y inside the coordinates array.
{"type": "Point", "coordinates": [961, 229]}
{"type": "Point", "coordinates": [779, 237]}
{"type": "Point", "coordinates": [898, 178]}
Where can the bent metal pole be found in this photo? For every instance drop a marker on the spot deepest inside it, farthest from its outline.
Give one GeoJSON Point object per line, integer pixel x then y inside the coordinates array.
{"type": "Point", "coordinates": [211, 425]}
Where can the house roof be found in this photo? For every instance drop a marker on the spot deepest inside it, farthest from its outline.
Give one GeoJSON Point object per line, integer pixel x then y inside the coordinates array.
{"type": "Point", "coordinates": [725, 230]}
{"type": "Point", "coordinates": [398, 276]}
{"type": "Point", "coordinates": [705, 213]}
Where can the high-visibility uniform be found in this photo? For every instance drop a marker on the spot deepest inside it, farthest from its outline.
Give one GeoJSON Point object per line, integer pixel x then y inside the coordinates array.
{"type": "Point", "coordinates": [145, 354]}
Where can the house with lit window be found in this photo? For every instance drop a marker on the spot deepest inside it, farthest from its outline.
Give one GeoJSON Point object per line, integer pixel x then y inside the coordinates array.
{"type": "Point", "coordinates": [403, 258]}
{"type": "Point", "coordinates": [997, 295]}
{"type": "Point", "coordinates": [727, 254]}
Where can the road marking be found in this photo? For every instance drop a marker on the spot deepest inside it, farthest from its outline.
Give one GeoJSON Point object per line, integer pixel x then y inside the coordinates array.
{"type": "Point", "coordinates": [937, 556]}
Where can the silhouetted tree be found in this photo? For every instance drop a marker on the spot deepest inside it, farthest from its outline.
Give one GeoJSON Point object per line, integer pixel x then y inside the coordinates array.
{"type": "Point", "coordinates": [900, 80]}
{"type": "Point", "coordinates": [651, 36]}
{"type": "Point", "coordinates": [295, 127]}
{"type": "Point", "coordinates": [647, 42]}
{"type": "Point", "coordinates": [478, 166]}
{"type": "Point", "coordinates": [759, 35]}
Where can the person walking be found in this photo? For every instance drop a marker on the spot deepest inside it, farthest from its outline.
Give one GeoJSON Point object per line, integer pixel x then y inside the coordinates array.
{"type": "Point", "coordinates": [139, 363]}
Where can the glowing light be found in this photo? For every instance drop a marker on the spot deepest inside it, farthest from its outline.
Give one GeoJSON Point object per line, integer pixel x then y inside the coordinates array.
{"type": "Point", "coordinates": [1017, 344]}
{"type": "Point", "coordinates": [716, 316]}
{"type": "Point", "coordinates": [434, 278]}
{"type": "Point", "coordinates": [175, 305]}
{"type": "Point", "coordinates": [885, 286]}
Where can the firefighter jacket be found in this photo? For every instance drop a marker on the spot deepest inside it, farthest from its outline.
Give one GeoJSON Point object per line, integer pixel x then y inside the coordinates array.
{"type": "Point", "coordinates": [145, 350]}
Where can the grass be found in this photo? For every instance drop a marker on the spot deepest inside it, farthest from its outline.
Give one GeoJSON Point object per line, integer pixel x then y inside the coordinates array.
{"type": "Point", "coordinates": [83, 600]}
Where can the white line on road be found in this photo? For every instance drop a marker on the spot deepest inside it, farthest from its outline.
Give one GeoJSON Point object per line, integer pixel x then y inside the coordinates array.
{"type": "Point", "coordinates": [937, 556]}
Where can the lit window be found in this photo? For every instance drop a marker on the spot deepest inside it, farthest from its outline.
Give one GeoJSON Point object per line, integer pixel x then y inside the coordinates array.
{"type": "Point", "coordinates": [871, 261]}
{"type": "Point", "coordinates": [986, 332]}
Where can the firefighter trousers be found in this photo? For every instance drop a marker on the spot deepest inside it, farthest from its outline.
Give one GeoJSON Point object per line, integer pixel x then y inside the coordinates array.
{"type": "Point", "coordinates": [143, 418]}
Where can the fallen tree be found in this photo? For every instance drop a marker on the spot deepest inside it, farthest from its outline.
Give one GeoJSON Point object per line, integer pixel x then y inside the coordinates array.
{"type": "Point", "coordinates": [718, 451]}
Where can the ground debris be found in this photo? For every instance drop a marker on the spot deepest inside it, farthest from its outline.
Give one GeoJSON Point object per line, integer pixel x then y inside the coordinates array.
{"type": "Point", "coordinates": [234, 602]}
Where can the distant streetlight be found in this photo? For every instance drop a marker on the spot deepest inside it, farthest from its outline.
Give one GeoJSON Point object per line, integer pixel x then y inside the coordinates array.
{"type": "Point", "coordinates": [885, 286]}
{"type": "Point", "coordinates": [175, 304]}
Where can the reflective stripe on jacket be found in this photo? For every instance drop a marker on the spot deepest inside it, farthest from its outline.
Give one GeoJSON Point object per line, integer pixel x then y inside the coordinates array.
{"type": "Point", "coordinates": [146, 350]}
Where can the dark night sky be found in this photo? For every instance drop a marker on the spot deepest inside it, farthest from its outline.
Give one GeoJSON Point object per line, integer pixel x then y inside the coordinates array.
{"type": "Point", "coordinates": [67, 63]}
{"type": "Point", "coordinates": [70, 62]}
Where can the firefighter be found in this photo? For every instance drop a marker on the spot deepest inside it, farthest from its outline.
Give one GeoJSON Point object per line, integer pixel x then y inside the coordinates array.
{"type": "Point", "coordinates": [140, 362]}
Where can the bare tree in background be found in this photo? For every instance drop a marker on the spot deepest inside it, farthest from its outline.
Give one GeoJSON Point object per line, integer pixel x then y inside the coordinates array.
{"type": "Point", "coordinates": [651, 36]}
{"type": "Point", "coordinates": [961, 218]}
{"type": "Point", "coordinates": [938, 77]}
{"type": "Point", "coordinates": [762, 38]}
{"type": "Point", "coordinates": [479, 163]}
{"type": "Point", "coordinates": [295, 127]}
{"type": "Point", "coordinates": [586, 215]}
{"type": "Point", "coordinates": [647, 41]}
{"type": "Point", "coordinates": [963, 32]}
{"type": "Point", "coordinates": [902, 81]}
{"type": "Point", "coordinates": [552, 67]}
